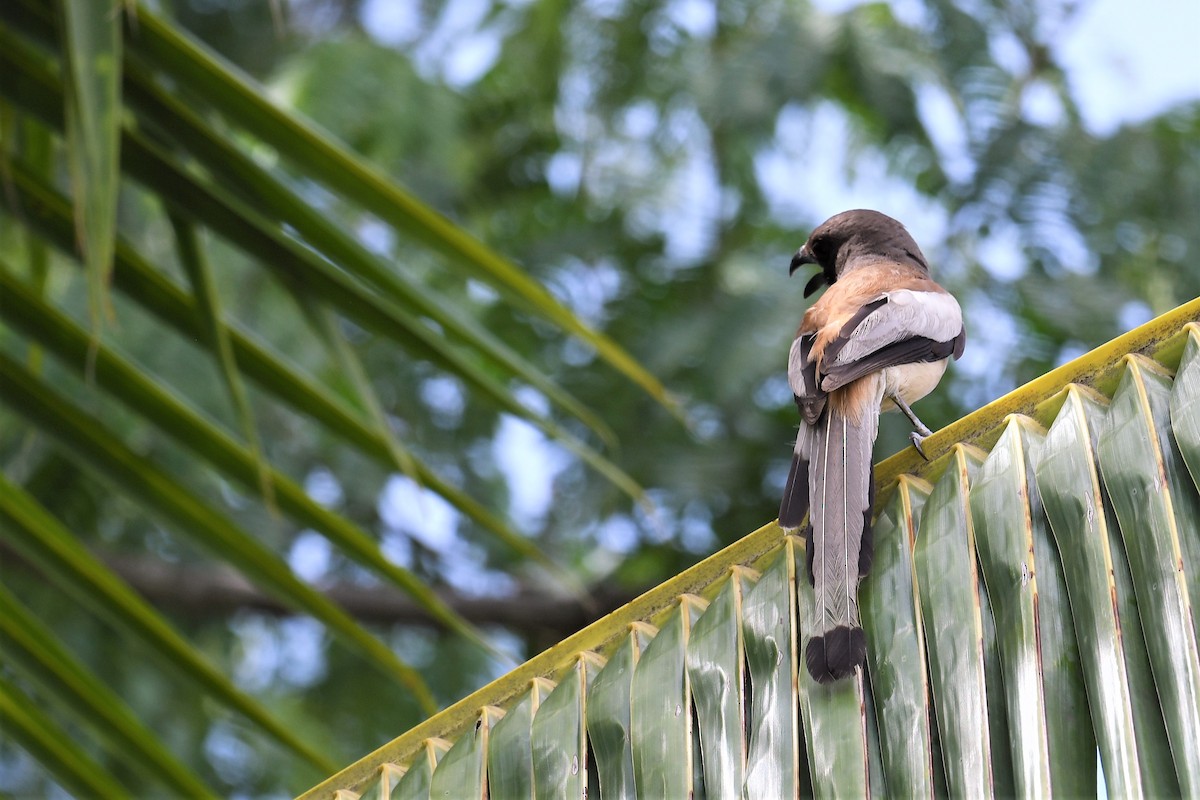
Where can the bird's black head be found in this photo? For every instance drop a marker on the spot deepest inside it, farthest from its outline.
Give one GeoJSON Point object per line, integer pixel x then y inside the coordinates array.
{"type": "Point", "coordinates": [854, 238]}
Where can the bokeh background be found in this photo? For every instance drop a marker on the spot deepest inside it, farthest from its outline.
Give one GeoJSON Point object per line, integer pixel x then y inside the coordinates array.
{"type": "Point", "coordinates": [654, 163]}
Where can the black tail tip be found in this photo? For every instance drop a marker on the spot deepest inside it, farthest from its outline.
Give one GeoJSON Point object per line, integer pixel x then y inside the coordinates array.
{"type": "Point", "coordinates": [836, 654]}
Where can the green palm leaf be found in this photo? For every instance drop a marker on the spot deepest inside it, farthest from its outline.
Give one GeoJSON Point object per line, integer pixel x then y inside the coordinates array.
{"type": "Point", "coordinates": [247, 106]}
{"type": "Point", "coordinates": [31, 650]}
{"type": "Point", "coordinates": [70, 77]}
{"type": "Point", "coordinates": [154, 403]}
{"type": "Point", "coordinates": [47, 213]}
{"type": "Point", "coordinates": [49, 743]}
{"type": "Point", "coordinates": [91, 40]}
{"type": "Point", "coordinates": [295, 266]}
{"type": "Point", "coordinates": [41, 540]}
{"type": "Point", "coordinates": [971, 614]}
{"type": "Point", "coordinates": [84, 437]}
{"type": "Point", "coordinates": [191, 256]}
{"type": "Point", "coordinates": [272, 196]}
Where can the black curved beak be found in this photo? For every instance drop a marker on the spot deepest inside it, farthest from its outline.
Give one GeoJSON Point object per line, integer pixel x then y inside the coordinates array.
{"type": "Point", "coordinates": [801, 258]}
{"type": "Point", "coordinates": [814, 283]}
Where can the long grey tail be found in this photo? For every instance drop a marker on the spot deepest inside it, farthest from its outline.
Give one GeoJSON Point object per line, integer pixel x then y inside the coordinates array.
{"type": "Point", "coordinates": [841, 492]}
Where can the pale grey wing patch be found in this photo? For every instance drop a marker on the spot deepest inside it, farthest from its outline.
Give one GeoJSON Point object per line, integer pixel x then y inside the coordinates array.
{"type": "Point", "coordinates": [802, 377]}
{"type": "Point", "coordinates": [797, 369]}
{"type": "Point", "coordinates": [906, 314]}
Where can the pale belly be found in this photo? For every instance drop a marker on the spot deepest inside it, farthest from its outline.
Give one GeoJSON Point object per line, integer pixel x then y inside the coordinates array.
{"type": "Point", "coordinates": [911, 381]}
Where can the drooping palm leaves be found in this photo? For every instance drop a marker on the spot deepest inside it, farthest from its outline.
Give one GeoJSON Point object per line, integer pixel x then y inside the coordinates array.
{"type": "Point", "coordinates": [98, 97]}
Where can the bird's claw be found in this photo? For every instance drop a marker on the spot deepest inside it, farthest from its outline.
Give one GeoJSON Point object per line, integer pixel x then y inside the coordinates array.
{"type": "Point", "coordinates": [922, 431]}
{"type": "Point", "coordinates": [917, 438]}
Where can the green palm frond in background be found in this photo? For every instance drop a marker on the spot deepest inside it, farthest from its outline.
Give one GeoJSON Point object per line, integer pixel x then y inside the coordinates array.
{"type": "Point", "coordinates": [1031, 602]}
{"type": "Point", "coordinates": [128, 101]}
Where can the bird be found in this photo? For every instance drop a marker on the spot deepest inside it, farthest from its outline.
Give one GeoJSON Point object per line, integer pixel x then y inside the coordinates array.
{"type": "Point", "coordinates": [878, 339]}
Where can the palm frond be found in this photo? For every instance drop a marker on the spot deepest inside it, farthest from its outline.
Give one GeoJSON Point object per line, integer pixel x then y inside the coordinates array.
{"type": "Point", "coordinates": [1002, 619]}
{"type": "Point", "coordinates": [31, 650]}
{"type": "Point", "coordinates": [41, 540]}
{"type": "Point", "coordinates": [91, 41]}
{"type": "Point", "coordinates": [86, 85]}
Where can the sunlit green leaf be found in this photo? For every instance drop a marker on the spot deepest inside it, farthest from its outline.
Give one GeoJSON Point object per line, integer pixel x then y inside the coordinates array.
{"type": "Point", "coordinates": [1035, 634]}
{"type": "Point", "coordinates": [1185, 405]}
{"type": "Point", "coordinates": [895, 646]}
{"type": "Point", "coordinates": [773, 716]}
{"type": "Point", "coordinates": [1130, 734]}
{"type": "Point", "coordinates": [944, 566]}
{"type": "Point", "coordinates": [558, 737]}
{"type": "Point", "coordinates": [510, 753]}
{"type": "Point", "coordinates": [609, 717]}
{"type": "Point", "coordinates": [415, 785]}
{"type": "Point", "coordinates": [661, 709]}
{"type": "Point", "coordinates": [462, 771]}
{"type": "Point", "coordinates": [717, 672]}
{"type": "Point", "coordinates": [1159, 511]}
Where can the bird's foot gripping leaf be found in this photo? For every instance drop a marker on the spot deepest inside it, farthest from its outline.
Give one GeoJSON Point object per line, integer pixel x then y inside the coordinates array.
{"type": "Point", "coordinates": [922, 431]}
{"type": "Point", "coordinates": [917, 439]}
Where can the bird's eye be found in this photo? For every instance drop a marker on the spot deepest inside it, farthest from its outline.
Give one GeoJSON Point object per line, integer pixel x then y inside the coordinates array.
{"type": "Point", "coordinates": [822, 248]}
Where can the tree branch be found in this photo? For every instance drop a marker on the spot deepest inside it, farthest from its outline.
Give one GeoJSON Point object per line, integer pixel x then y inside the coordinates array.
{"type": "Point", "coordinates": [219, 591]}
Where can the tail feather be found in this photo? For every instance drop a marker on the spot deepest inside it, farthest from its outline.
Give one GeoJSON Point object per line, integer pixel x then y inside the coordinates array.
{"type": "Point", "coordinates": [841, 492]}
{"type": "Point", "coordinates": [808, 554]}
{"type": "Point", "coordinates": [836, 654]}
{"type": "Point", "coordinates": [795, 494]}
{"type": "Point", "coordinates": [866, 552]}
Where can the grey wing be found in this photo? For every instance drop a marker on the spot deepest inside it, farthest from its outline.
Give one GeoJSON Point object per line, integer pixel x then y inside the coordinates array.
{"type": "Point", "coordinates": [810, 400]}
{"type": "Point", "coordinates": [899, 327]}
{"type": "Point", "coordinates": [802, 377]}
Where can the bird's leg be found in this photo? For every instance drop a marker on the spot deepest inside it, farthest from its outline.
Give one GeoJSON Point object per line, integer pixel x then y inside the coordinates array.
{"type": "Point", "coordinates": [921, 432]}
